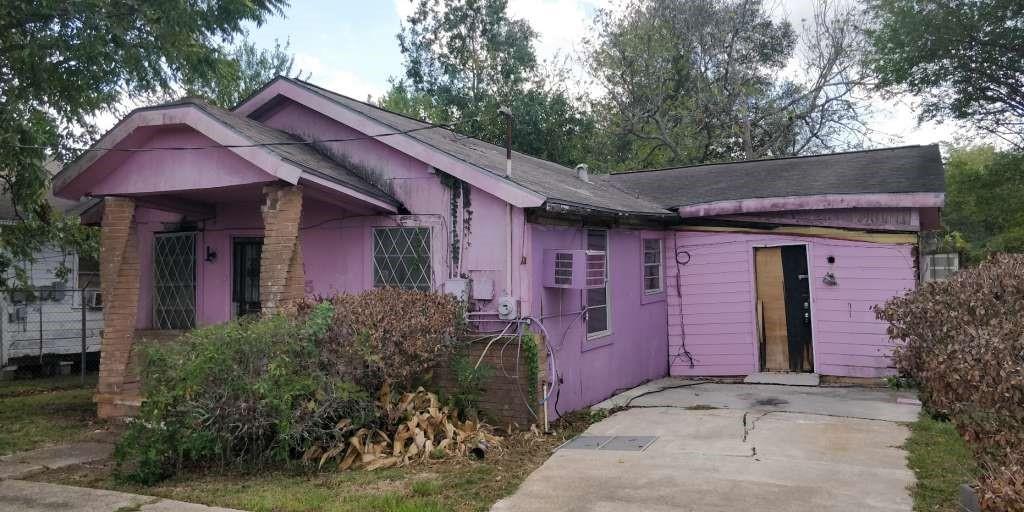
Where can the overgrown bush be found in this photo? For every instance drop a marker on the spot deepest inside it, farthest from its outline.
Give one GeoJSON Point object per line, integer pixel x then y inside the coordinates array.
{"type": "Point", "coordinates": [963, 343]}
{"type": "Point", "coordinates": [271, 390]}
{"type": "Point", "coordinates": [388, 335]}
{"type": "Point", "coordinates": [241, 392]}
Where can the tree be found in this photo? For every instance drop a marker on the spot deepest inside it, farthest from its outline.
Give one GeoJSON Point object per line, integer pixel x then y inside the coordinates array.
{"type": "Point", "coordinates": [62, 62]}
{"type": "Point", "coordinates": [963, 58]}
{"type": "Point", "coordinates": [466, 58]}
{"type": "Point", "coordinates": [985, 200]}
{"type": "Point", "coordinates": [247, 69]}
{"type": "Point", "coordinates": [691, 81]}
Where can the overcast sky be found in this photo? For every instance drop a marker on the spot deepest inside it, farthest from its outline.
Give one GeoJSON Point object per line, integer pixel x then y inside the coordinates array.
{"type": "Point", "coordinates": [349, 46]}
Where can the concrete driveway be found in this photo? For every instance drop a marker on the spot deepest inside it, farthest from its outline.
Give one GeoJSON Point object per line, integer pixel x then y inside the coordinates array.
{"type": "Point", "coordinates": [731, 447]}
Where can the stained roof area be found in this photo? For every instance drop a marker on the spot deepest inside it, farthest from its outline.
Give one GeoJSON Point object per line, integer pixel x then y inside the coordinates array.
{"type": "Point", "coordinates": [555, 182]}
{"type": "Point", "coordinates": [908, 169]}
{"type": "Point", "coordinates": [302, 155]}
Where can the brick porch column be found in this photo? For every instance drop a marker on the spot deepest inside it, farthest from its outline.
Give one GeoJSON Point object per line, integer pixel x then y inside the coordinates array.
{"type": "Point", "coordinates": [282, 277]}
{"type": "Point", "coordinates": [118, 389]}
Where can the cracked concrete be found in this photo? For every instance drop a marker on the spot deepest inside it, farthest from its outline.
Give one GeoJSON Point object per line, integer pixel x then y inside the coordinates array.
{"type": "Point", "coordinates": [22, 464]}
{"type": "Point", "coordinates": [779, 456]}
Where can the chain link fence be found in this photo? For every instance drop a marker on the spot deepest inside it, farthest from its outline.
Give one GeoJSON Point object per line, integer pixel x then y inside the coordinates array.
{"type": "Point", "coordinates": [51, 329]}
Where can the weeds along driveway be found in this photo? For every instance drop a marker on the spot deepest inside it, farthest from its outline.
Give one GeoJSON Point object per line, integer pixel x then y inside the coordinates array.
{"type": "Point", "coordinates": [760, 457]}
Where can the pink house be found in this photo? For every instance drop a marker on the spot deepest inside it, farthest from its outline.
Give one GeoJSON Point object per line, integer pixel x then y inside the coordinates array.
{"type": "Point", "coordinates": [714, 270]}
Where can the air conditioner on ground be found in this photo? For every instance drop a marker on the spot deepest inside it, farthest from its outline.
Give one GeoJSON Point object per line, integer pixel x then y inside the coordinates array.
{"type": "Point", "coordinates": [574, 268]}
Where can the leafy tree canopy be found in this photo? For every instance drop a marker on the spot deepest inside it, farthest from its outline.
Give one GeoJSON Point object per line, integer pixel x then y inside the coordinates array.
{"type": "Point", "coordinates": [247, 69]}
{"type": "Point", "coordinates": [692, 81]}
{"type": "Point", "coordinates": [464, 59]}
{"type": "Point", "coordinates": [985, 200]}
{"type": "Point", "coordinates": [963, 58]}
{"type": "Point", "coordinates": [62, 62]}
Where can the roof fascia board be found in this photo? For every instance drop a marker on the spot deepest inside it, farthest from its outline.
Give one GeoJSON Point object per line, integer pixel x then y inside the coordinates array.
{"type": "Point", "coordinates": [481, 178]}
{"type": "Point", "coordinates": [816, 202]}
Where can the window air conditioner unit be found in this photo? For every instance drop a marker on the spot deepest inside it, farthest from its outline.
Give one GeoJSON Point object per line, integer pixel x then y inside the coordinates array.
{"type": "Point", "coordinates": [94, 299]}
{"type": "Point", "coordinates": [575, 269]}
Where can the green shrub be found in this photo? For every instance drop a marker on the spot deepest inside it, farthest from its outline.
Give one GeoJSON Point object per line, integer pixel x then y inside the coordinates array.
{"type": "Point", "coordinates": [469, 384]}
{"type": "Point", "coordinates": [245, 392]}
{"type": "Point", "coordinates": [963, 344]}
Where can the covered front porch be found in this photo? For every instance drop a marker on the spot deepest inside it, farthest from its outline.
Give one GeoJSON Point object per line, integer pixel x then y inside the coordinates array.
{"type": "Point", "coordinates": [234, 225]}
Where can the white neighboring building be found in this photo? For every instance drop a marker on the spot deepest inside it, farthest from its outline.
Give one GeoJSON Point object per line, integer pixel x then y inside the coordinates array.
{"type": "Point", "coordinates": [46, 329]}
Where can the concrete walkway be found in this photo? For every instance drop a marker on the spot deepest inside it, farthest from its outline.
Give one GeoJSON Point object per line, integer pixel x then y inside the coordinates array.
{"type": "Point", "coordinates": [728, 447]}
{"type": "Point", "coordinates": [20, 496]}
{"type": "Point", "coordinates": [22, 464]}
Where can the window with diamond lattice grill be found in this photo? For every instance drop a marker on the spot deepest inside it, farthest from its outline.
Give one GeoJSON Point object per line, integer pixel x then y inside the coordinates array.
{"type": "Point", "coordinates": [174, 281]}
{"type": "Point", "coordinates": [401, 258]}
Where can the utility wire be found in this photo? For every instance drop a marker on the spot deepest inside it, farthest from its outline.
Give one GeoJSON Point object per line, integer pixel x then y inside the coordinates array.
{"type": "Point", "coordinates": [300, 142]}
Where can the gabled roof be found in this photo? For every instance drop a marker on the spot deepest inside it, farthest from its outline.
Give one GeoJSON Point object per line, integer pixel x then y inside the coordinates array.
{"type": "Point", "coordinates": [552, 182]}
{"type": "Point", "coordinates": [892, 172]}
{"type": "Point", "coordinates": [303, 155]}
{"type": "Point", "coordinates": [233, 130]}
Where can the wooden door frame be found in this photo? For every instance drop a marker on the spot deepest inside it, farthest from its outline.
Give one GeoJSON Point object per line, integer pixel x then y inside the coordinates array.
{"type": "Point", "coordinates": [810, 293]}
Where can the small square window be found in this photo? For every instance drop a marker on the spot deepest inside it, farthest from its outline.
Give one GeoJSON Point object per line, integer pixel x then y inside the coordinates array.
{"type": "Point", "coordinates": [941, 266]}
{"type": "Point", "coordinates": [401, 258]}
{"type": "Point", "coordinates": [652, 265]}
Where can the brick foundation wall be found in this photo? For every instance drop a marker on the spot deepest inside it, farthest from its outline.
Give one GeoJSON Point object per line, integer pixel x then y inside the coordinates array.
{"type": "Point", "coordinates": [118, 388]}
{"type": "Point", "coordinates": [504, 398]}
{"type": "Point", "coordinates": [282, 277]}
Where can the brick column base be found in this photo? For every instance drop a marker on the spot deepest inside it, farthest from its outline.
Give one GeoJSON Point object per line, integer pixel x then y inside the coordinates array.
{"type": "Point", "coordinates": [282, 277]}
{"type": "Point", "coordinates": [118, 391]}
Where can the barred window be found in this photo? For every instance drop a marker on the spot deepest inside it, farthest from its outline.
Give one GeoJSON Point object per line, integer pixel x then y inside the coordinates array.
{"type": "Point", "coordinates": [597, 298]}
{"type": "Point", "coordinates": [401, 258]}
{"type": "Point", "coordinates": [652, 265]}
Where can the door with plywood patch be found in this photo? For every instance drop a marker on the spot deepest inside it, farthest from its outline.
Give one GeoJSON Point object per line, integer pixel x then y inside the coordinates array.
{"type": "Point", "coordinates": [783, 308]}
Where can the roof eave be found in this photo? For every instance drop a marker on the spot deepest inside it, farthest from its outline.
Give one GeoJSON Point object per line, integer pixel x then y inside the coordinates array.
{"type": "Point", "coordinates": [813, 202]}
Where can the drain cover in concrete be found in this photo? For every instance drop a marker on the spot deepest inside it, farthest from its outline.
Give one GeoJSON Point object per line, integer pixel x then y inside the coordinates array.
{"type": "Point", "coordinates": [586, 442]}
{"type": "Point", "coordinates": [629, 443]}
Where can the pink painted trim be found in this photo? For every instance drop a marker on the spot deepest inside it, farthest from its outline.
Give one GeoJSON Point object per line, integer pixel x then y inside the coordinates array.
{"type": "Point", "coordinates": [477, 176]}
{"type": "Point", "coordinates": [349, 192]}
{"type": "Point", "coordinates": [188, 115]}
{"type": "Point", "coordinates": [818, 202]}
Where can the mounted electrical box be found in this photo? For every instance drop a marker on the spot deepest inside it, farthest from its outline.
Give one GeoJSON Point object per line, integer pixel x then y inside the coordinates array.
{"type": "Point", "coordinates": [457, 287]}
{"type": "Point", "coordinates": [508, 307]}
{"type": "Point", "coordinates": [576, 269]}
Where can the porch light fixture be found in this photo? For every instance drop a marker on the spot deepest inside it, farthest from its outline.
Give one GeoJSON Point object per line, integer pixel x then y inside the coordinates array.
{"type": "Point", "coordinates": [211, 255]}
{"type": "Point", "coordinates": [829, 279]}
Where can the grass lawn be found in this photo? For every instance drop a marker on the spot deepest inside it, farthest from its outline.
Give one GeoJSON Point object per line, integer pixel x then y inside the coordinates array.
{"type": "Point", "coordinates": [38, 412]}
{"type": "Point", "coordinates": [454, 485]}
{"type": "Point", "coordinates": [941, 461]}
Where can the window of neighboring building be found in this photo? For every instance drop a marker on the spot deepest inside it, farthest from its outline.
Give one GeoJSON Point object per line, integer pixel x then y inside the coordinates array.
{"type": "Point", "coordinates": [652, 265]}
{"type": "Point", "coordinates": [597, 298]}
{"type": "Point", "coordinates": [88, 273]}
{"type": "Point", "coordinates": [940, 266]}
{"type": "Point", "coordinates": [401, 258]}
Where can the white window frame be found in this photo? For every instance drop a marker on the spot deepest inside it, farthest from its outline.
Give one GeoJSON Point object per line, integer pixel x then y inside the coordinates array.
{"type": "Point", "coordinates": [658, 265]}
{"type": "Point", "coordinates": [429, 263]}
{"type": "Point", "coordinates": [949, 269]}
{"type": "Point", "coordinates": [607, 289]}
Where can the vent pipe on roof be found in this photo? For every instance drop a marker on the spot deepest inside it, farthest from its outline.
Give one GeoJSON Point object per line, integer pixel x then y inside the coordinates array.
{"type": "Point", "coordinates": [504, 111]}
{"type": "Point", "coordinates": [583, 172]}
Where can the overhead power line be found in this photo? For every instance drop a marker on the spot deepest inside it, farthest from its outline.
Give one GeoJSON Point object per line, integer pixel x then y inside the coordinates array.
{"type": "Point", "coordinates": [253, 145]}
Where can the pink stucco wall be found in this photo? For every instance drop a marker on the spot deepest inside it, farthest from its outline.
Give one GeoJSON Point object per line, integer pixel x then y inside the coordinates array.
{"type": "Point", "coordinates": [716, 309]}
{"type": "Point", "coordinates": [634, 351]}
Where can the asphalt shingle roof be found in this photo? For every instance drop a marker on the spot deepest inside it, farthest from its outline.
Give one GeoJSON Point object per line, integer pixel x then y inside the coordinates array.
{"type": "Point", "coordinates": [555, 182]}
{"type": "Point", "coordinates": [893, 170]}
{"type": "Point", "coordinates": [302, 155]}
